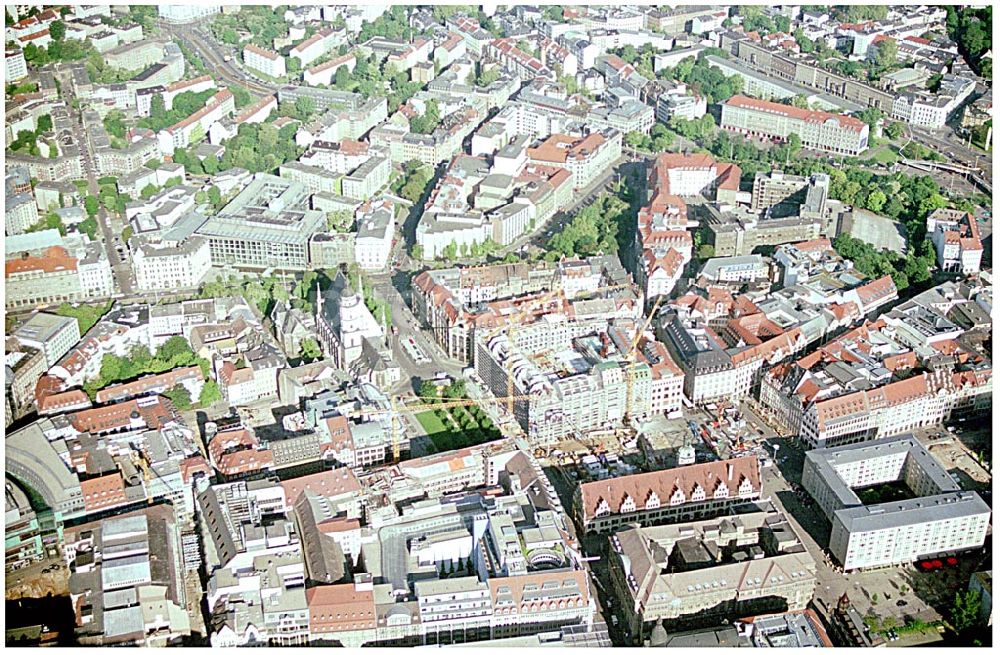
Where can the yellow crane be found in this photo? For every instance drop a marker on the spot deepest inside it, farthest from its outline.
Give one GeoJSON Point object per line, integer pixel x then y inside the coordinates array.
{"type": "Point", "coordinates": [630, 358]}
{"type": "Point", "coordinates": [139, 459]}
{"type": "Point", "coordinates": [513, 321]}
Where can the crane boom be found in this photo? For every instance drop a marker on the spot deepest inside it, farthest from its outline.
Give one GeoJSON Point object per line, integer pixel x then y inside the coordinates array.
{"type": "Point", "coordinates": [630, 358]}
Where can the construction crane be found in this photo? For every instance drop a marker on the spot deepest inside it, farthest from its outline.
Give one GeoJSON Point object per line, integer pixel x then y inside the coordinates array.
{"type": "Point", "coordinates": [630, 358]}
{"type": "Point", "coordinates": [514, 321]}
{"type": "Point", "coordinates": [139, 459]}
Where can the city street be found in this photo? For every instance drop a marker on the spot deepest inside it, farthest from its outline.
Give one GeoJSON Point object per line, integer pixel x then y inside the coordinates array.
{"type": "Point", "coordinates": [211, 53]}
{"type": "Point", "coordinates": [121, 270]}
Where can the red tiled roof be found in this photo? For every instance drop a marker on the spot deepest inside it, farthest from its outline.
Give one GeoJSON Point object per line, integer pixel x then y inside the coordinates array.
{"type": "Point", "coordinates": [709, 476]}
{"type": "Point", "coordinates": [806, 115]}
{"type": "Point", "coordinates": [53, 260]}
{"type": "Point", "coordinates": [339, 608]}
{"type": "Point", "coordinates": [331, 483]}
{"type": "Point", "coordinates": [103, 492]}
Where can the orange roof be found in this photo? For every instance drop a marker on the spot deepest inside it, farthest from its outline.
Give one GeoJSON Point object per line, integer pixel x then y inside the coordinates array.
{"type": "Point", "coordinates": [876, 290]}
{"type": "Point", "coordinates": [559, 148]}
{"type": "Point", "coordinates": [183, 84]}
{"type": "Point", "coordinates": [103, 492]}
{"type": "Point", "coordinates": [257, 50]}
{"type": "Point", "coordinates": [806, 115]}
{"type": "Point", "coordinates": [142, 386]}
{"type": "Point", "coordinates": [820, 245]}
{"type": "Point", "coordinates": [55, 259]}
{"type": "Point", "coordinates": [339, 608]}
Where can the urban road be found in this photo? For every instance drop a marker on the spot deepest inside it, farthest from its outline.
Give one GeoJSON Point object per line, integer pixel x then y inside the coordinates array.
{"type": "Point", "coordinates": [121, 270]}
{"type": "Point", "coordinates": [212, 54]}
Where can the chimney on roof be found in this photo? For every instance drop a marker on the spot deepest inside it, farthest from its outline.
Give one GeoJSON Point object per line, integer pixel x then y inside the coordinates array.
{"type": "Point", "coordinates": [730, 472]}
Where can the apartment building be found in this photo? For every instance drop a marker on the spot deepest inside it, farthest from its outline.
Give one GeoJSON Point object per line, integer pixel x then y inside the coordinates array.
{"type": "Point", "coordinates": [807, 71]}
{"type": "Point", "coordinates": [125, 161]}
{"type": "Point", "coordinates": [700, 572]}
{"type": "Point", "coordinates": [44, 268]}
{"type": "Point", "coordinates": [450, 50]}
{"type": "Point", "coordinates": [735, 269]}
{"type": "Point", "coordinates": [347, 115]}
{"type": "Point", "coordinates": [585, 157]}
{"type": "Point", "coordinates": [832, 397]}
{"type": "Point", "coordinates": [160, 266]}
{"type": "Point", "coordinates": [315, 46]}
{"type": "Point", "coordinates": [21, 212]}
{"type": "Point", "coordinates": [376, 230]}
{"type": "Point", "coordinates": [668, 496]}
{"type": "Point", "coordinates": [709, 351]}
{"type": "Point", "coordinates": [940, 518]}
{"type": "Point", "coordinates": [818, 130]}
{"type": "Point", "coordinates": [933, 110]}
{"type": "Point", "coordinates": [456, 303]}
{"type": "Point", "coordinates": [955, 235]}
{"type": "Point", "coordinates": [25, 366]}
{"type": "Point", "coordinates": [663, 242]}
{"type": "Point", "coordinates": [128, 568]}
{"type": "Point", "coordinates": [266, 61]}
{"type": "Point", "coordinates": [196, 126]}
{"type": "Point", "coordinates": [53, 335]}
{"type": "Point", "coordinates": [15, 68]}
{"type": "Point", "coordinates": [516, 61]}
{"type": "Point", "coordinates": [326, 72]}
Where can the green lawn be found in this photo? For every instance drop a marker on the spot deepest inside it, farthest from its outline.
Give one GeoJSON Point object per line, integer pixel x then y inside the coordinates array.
{"type": "Point", "coordinates": [431, 423]}
{"type": "Point", "coordinates": [445, 438]}
{"type": "Point", "coordinates": [886, 156]}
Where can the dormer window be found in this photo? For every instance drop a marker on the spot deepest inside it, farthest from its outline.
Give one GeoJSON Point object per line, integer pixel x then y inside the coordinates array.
{"type": "Point", "coordinates": [628, 505]}
{"type": "Point", "coordinates": [653, 501]}
{"type": "Point", "coordinates": [722, 491]}
{"type": "Point", "coordinates": [677, 498]}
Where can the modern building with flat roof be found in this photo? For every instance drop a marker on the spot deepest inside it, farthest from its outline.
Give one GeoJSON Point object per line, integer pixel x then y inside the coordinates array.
{"type": "Point", "coordinates": [938, 518]}
{"type": "Point", "coordinates": [267, 225]}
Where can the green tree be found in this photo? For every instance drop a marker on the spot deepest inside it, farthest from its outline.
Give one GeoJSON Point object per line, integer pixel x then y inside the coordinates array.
{"type": "Point", "coordinates": [794, 144]}
{"type": "Point", "coordinates": [44, 124]}
{"type": "Point", "coordinates": [428, 389]}
{"type": "Point", "coordinates": [210, 394]}
{"type": "Point", "coordinates": [806, 44]}
{"type": "Point", "coordinates": [875, 202]}
{"type": "Point", "coordinates": [293, 65]}
{"type": "Point", "coordinates": [342, 79]}
{"type": "Point", "coordinates": [310, 350]}
{"type": "Point", "coordinates": [180, 397]}
{"type": "Point", "coordinates": [215, 196]}
{"type": "Point", "coordinates": [886, 53]}
{"type": "Point", "coordinates": [57, 30]}
{"type": "Point", "coordinates": [91, 204]}
{"type": "Point", "coordinates": [964, 612]}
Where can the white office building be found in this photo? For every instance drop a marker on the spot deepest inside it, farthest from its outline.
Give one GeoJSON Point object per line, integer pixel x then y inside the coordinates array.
{"type": "Point", "coordinates": [939, 519]}
{"type": "Point", "coordinates": [167, 266]}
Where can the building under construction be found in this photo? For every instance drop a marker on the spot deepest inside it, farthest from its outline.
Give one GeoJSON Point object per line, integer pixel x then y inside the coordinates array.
{"type": "Point", "coordinates": [570, 376]}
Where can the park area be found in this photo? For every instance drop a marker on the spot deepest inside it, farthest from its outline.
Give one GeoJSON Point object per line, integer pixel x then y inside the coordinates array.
{"type": "Point", "coordinates": [451, 428]}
